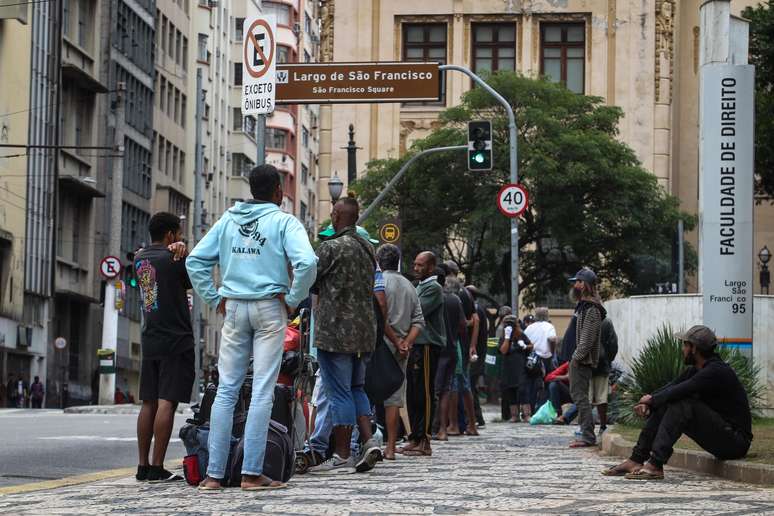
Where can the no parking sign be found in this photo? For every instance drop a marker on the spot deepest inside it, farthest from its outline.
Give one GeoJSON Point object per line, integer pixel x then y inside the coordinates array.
{"type": "Point", "coordinates": [259, 65]}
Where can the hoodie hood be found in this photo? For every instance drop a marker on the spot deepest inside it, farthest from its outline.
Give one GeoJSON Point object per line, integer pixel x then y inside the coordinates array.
{"type": "Point", "coordinates": [245, 213]}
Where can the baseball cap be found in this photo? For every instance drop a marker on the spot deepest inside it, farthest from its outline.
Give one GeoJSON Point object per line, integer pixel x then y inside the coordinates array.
{"type": "Point", "coordinates": [585, 274]}
{"type": "Point", "coordinates": [700, 336]}
{"type": "Point", "coordinates": [361, 231]}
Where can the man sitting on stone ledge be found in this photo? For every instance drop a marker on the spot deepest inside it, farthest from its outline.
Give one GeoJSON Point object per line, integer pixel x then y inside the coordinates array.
{"type": "Point", "coordinates": [706, 402]}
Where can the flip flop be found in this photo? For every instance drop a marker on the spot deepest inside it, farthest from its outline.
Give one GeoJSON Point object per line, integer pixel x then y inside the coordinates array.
{"type": "Point", "coordinates": [613, 471]}
{"type": "Point", "coordinates": [644, 475]}
{"type": "Point", "coordinates": [209, 489]}
{"type": "Point", "coordinates": [418, 453]}
{"type": "Point", "coordinates": [279, 485]}
{"type": "Point", "coordinates": [582, 444]}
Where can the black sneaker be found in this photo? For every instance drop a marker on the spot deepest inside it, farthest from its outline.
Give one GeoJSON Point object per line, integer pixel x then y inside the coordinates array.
{"type": "Point", "coordinates": [159, 474]}
{"type": "Point", "coordinates": [142, 473]}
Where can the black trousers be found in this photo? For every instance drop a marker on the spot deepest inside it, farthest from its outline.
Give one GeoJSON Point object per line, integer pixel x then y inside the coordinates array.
{"type": "Point", "coordinates": [474, 379]}
{"type": "Point", "coordinates": [420, 389]}
{"type": "Point", "coordinates": [695, 419]}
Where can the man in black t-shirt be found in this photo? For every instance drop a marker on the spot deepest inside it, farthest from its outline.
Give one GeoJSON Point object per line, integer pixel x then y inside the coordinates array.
{"type": "Point", "coordinates": [168, 371]}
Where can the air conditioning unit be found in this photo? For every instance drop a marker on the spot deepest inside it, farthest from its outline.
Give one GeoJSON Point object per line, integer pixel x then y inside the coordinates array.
{"type": "Point", "coordinates": [212, 3]}
{"type": "Point", "coordinates": [296, 28]}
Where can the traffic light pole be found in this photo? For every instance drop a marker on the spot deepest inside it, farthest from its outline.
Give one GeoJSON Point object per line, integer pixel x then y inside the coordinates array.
{"type": "Point", "coordinates": [512, 142]}
{"type": "Point", "coordinates": [388, 188]}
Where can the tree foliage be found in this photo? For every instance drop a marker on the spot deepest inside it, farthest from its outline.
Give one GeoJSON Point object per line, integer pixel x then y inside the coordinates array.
{"type": "Point", "coordinates": [762, 56]}
{"type": "Point", "coordinates": [591, 202]}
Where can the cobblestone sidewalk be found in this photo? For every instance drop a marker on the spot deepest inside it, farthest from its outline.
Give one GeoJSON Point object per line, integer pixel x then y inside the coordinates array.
{"type": "Point", "coordinates": [510, 469]}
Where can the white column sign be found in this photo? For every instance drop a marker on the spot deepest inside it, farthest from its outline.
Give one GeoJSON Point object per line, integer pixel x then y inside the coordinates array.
{"type": "Point", "coordinates": [726, 201]}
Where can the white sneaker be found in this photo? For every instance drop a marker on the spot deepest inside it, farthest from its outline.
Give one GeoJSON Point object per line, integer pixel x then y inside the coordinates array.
{"type": "Point", "coordinates": [335, 466]}
{"type": "Point", "coordinates": [370, 454]}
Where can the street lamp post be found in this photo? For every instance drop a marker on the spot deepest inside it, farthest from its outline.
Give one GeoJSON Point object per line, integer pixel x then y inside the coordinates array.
{"type": "Point", "coordinates": [764, 255]}
{"type": "Point", "coordinates": [335, 187]}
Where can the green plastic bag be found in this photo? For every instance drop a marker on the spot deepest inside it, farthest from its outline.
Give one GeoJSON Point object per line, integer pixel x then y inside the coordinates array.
{"type": "Point", "coordinates": [545, 415]}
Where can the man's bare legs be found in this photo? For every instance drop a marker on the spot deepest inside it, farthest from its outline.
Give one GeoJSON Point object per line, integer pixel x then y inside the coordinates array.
{"type": "Point", "coordinates": [162, 430]}
{"type": "Point", "coordinates": [470, 413]}
{"type": "Point", "coordinates": [391, 416]}
{"type": "Point", "coordinates": [453, 416]}
{"type": "Point", "coordinates": [443, 417]}
{"type": "Point", "coordinates": [145, 423]}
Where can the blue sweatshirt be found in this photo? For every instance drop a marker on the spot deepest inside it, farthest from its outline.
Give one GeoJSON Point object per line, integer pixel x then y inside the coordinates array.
{"type": "Point", "coordinates": [253, 242]}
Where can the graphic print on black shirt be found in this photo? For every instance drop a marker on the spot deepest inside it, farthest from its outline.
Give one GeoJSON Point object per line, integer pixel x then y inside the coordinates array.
{"type": "Point", "coordinates": [163, 282]}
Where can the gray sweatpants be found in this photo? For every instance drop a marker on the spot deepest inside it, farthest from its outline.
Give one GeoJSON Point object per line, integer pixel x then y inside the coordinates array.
{"type": "Point", "coordinates": [580, 380]}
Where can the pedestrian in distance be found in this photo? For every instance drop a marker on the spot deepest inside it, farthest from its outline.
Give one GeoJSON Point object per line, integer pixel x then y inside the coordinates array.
{"type": "Point", "coordinates": [37, 392]}
{"type": "Point", "coordinates": [404, 317]}
{"type": "Point", "coordinates": [707, 402]}
{"type": "Point", "coordinates": [515, 346]}
{"type": "Point", "coordinates": [167, 370]}
{"type": "Point", "coordinates": [252, 243]}
{"type": "Point", "coordinates": [590, 314]}
{"type": "Point", "coordinates": [423, 359]}
{"type": "Point", "coordinates": [345, 335]}
{"type": "Point", "coordinates": [10, 391]}
{"type": "Point", "coordinates": [22, 392]}
{"type": "Point", "coordinates": [456, 332]}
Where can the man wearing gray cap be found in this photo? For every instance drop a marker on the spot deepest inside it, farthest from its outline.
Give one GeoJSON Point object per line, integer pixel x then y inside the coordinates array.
{"type": "Point", "coordinates": [707, 402]}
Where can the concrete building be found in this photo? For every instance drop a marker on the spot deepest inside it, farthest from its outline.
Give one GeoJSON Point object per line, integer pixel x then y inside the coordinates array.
{"type": "Point", "coordinates": [127, 28]}
{"type": "Point", "coordinates": [639, 55]}
{"type": "Point", "coordinates": [19, 353]}
{"type": "Point", "coordinates": [210, 30]}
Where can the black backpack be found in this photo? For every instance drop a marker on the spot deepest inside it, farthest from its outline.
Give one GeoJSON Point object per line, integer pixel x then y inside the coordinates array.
{"type": "Point", "coordinates": [278, 463]}
{"type": "Point", "coordinates": [609, 340]}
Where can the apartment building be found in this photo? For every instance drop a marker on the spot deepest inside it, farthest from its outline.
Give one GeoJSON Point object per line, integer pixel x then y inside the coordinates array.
{"type": "Point", "coordinates": [211, 25]}
{"type": "Point", "coordinates": [19, 353]}
{"type": "Point", "coordinates": [640, 55]}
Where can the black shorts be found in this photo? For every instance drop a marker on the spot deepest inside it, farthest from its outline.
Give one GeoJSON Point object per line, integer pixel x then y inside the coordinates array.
{"type": "Point", "coordinates": [168, 378]}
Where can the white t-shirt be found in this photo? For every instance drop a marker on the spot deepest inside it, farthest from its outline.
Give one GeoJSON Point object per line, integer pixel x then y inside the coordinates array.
{"type": "Point", "coordinates": [539, 332]}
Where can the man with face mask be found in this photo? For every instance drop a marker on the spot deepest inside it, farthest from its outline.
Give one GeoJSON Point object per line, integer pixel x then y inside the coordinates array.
{"type": "Point", "coordinates": [707, 402]}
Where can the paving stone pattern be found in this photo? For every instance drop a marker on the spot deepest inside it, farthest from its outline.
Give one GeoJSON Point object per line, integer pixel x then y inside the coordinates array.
{"type": "Point", "coordinates": [509, 469]}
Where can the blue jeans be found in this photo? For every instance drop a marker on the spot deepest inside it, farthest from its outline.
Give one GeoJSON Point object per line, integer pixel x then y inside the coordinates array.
{"type": "Point", "coordinates": [343, 376]}
{"type": "Point", "coordinates": [323, 426]}
{"type": "Point", "coordinates": [257, 328]}
{"type": "Point", "coordinates": [559, 394]}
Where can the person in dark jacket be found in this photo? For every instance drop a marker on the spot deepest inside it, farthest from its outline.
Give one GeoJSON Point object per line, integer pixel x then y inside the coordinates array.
{"type": "Point", "coordinates": [589, 316]}
{"type": "Point", "coordinates": [707, 402]}
{"type": "Point", "coordinates": [515, 346]}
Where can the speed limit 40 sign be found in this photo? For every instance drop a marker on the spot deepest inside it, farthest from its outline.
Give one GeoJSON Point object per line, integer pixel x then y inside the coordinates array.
{"type": "Point", "coordinates": [512, 200]}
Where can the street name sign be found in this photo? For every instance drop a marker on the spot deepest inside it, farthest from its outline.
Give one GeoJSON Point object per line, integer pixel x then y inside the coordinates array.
{"type": "Point", "coordinates": [726, 201]}
{"type": "Point", "coordinates": [512, 200]}
{"type": "Point", "coordinates": [341, 83]}
{"type": "Point", "coordinates": [259, 65]}
{"type": "Point", "coordinates": [110, 267]}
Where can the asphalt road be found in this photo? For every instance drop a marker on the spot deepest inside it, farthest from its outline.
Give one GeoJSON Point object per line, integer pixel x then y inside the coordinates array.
{"type": "Point", "coordinates": [48, 444]}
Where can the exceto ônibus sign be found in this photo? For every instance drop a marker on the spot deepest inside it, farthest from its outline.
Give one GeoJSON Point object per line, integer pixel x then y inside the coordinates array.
{"type": "Point", "coordinates": [726, 201]}
{"type": "Point", "coordinates": [336, 83]}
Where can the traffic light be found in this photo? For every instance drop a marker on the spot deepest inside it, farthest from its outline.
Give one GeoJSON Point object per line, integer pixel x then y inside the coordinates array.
{"type": "Point", "coordinates": [480, 145]}
{"type": "Point", "coordinates": [130, 274]}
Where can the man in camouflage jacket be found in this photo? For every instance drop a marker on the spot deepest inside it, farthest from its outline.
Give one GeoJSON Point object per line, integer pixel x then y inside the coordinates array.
{"type": "Point", "coordinates": [345, 334]}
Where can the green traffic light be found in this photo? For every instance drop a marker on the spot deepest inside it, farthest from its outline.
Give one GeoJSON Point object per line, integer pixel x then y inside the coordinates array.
{"type": "Point", "coordinates": [478, 157]}
{"type": "Point", "coordinates": [133, 282]}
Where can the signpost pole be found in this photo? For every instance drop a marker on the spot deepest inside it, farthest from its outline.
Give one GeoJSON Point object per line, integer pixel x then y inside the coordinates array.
{"type": "Point", "coordinates": [107, 382]}
{"type": "Point", "coordinates": [260, 139]}
{"type": "Point", "coordinates": [514, 177]}
{"type": "Point", "coordinates": [196, 305]}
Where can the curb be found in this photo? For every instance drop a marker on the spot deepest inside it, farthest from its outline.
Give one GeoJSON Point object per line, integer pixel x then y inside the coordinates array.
{"type": "Point", "coordinates": [182, 408]}
{"type": "Point", "coordinates": [75, 480]}
{"type": "Point", "coordinates": [699, 462]}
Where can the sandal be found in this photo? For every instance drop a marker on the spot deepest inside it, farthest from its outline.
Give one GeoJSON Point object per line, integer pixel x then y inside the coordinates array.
{"type": "Point", "coordinates": [271, 485]}
{"type": "Point", "coordinates": [418, 453]}
{"type": "Point", "coordinates": [645, 475]}
{"type": "Point", "coordinates": [582, 444]}
{"type": "Point", "coordinates": [615, 471]}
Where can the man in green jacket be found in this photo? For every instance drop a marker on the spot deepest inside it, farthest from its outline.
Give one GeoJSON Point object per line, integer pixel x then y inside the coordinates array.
{"type": "Point", "coordinates": [423, 357]}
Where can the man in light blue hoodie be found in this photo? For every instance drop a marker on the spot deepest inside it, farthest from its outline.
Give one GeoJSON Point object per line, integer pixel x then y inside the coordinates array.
{"type": "Point", "coordinates": [252, 243]}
